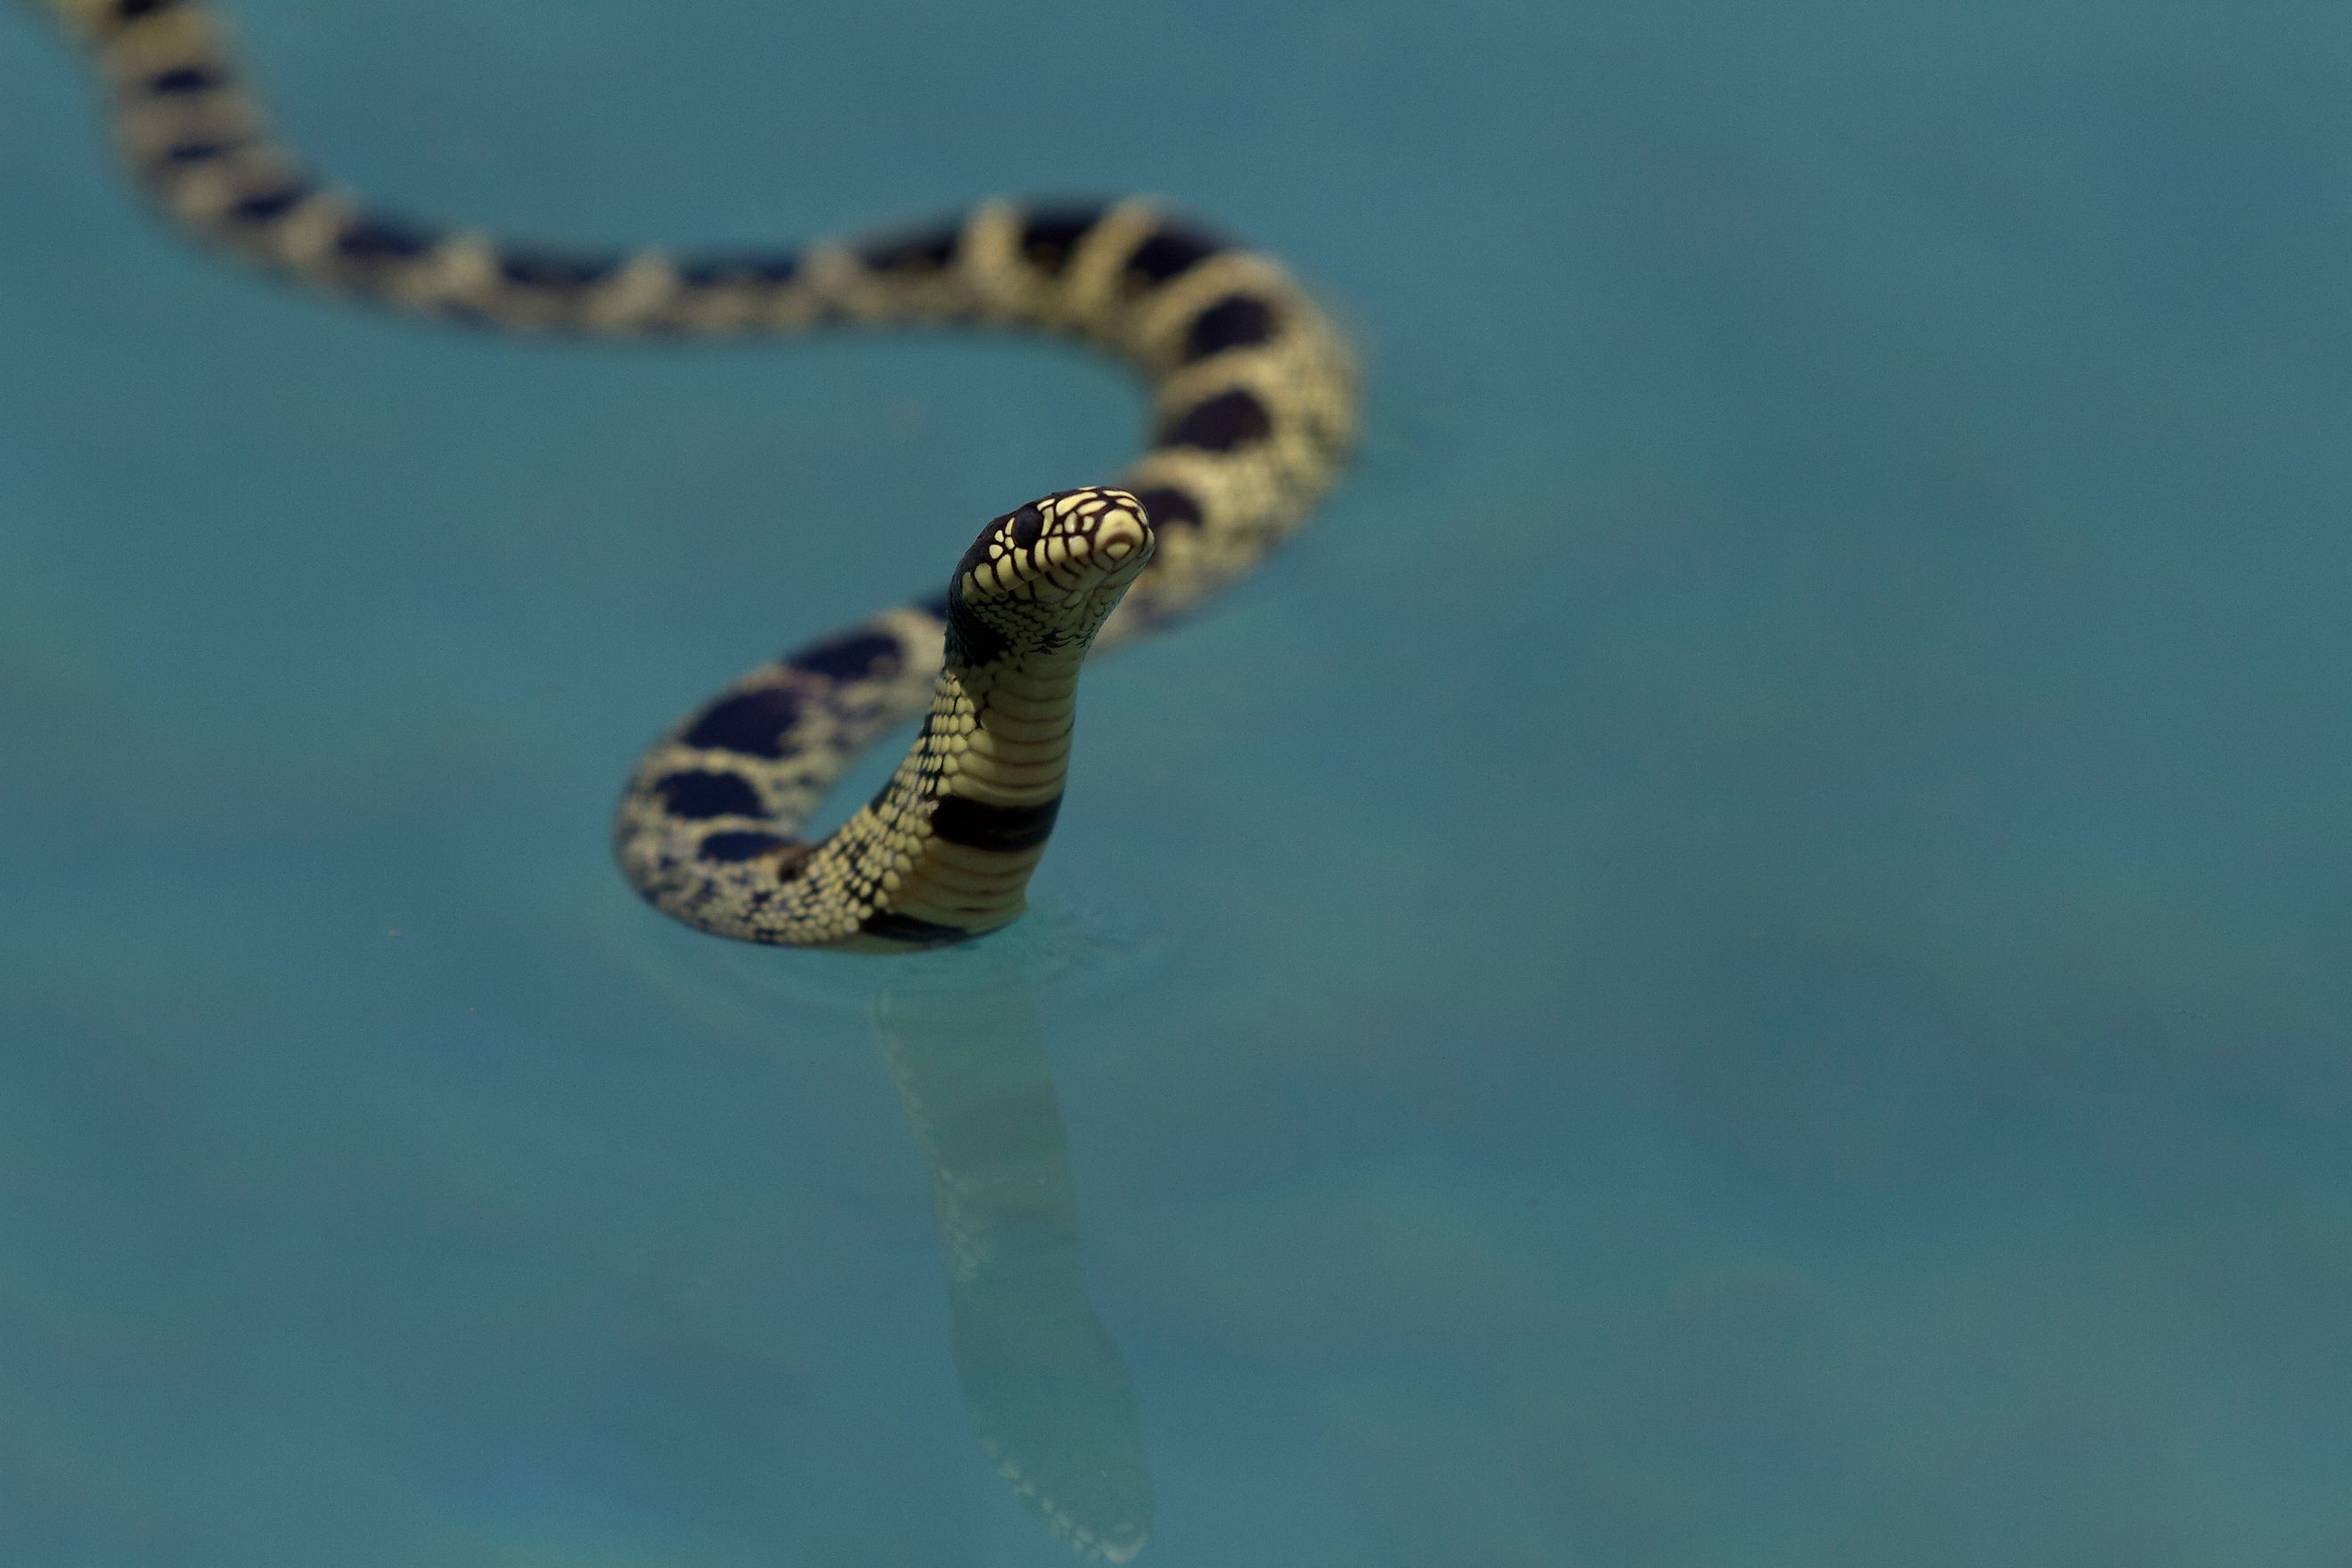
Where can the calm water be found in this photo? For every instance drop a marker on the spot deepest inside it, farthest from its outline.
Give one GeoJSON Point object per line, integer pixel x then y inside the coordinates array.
{"type": "Point", "coordinates": [1739, 958]}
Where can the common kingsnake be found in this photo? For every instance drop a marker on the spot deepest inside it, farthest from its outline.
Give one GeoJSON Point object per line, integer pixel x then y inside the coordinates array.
{"type": "Point", "coordinates": [1254, 411]}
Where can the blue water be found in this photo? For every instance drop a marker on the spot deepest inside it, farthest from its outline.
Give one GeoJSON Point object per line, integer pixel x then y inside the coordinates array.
{"type": "Point", "coordinates": [1737, 959]}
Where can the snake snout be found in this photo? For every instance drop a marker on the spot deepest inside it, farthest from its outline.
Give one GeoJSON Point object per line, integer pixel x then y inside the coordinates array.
{"type": "Point", "coordinates": [1121, 534]}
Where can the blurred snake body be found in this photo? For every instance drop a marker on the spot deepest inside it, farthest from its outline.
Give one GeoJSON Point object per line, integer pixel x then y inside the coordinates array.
{"type": "Point", "coordinates": [1253, 409]}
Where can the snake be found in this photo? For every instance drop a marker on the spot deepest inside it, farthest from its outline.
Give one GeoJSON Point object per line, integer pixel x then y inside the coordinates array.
{"type": "Point", "coordinates": [1253, 409]}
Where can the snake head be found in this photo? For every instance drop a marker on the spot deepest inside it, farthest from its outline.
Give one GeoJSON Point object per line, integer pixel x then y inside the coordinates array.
{"type": "Point", "coordinates": [1041, 578]}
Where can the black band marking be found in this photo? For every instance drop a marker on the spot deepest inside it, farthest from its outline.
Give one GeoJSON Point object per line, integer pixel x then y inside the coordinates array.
{"type": "Point", "coordinates": [1166, 506]}
{"type": "Point", "coordinates": [766, 269]}
{"type": "Point", "coordinates": [852, 657]}
{"type": "Point", "coordinates": [1220, 424]}
{"type": "Point", "coordinates": [977, 824]}
{"type": "Point", "coordinates": [928, 251]}
{"type": "Point", "coordinates": [1049, 238]}
{"type": "Point", "coordinates": [1235, 321]}
{"type": "Point", "coordinates": [1172, 249]}
{"type": "Point", "coordinates": [375, 241]}
{"type": "Point", "coordinates": [751, 722]}
{"type": "Point", "coordinates": [267, 204]}
{"type": "Point", "coordinates": [530, 271]}
{"type": "Point", "coordinates": [897, 927]}
{"type": "Point", "coordinates": [187, 79]}
{"type": "Point", "coordinates": [698, 795]}
{"type": "Point", "coordinates": [189, 152]}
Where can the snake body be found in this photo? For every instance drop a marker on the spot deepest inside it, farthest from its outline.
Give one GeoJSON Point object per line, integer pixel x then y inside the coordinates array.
{"type": "Point", "coordinates": [1254, 411]}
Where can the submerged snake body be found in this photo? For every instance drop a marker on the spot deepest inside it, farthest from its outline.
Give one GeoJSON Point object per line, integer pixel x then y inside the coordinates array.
{"type": "Point", "coordinates": [1253, 409]}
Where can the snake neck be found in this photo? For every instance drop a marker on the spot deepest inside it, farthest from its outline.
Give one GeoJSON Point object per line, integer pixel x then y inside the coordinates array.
{"type": "Point", "coordinates": [1015, 751]}
{"type": "Point", "coordinates": [950, 842]}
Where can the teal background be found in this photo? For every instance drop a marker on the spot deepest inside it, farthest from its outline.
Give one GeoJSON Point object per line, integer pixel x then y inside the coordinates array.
{"type": "Point", "coordinates": [1739, 958]}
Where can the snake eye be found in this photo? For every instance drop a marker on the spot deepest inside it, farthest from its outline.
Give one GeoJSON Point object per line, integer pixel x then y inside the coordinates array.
{"type": "Point", "coordinates": [1027, 524]}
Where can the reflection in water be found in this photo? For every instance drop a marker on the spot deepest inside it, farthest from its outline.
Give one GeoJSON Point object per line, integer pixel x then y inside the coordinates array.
{"type": "Point", "coordinates": [1047, 1396]}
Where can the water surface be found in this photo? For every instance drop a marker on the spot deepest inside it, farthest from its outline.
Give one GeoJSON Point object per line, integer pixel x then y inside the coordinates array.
{"type": "Point", "coordinates": [1737, 959]}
